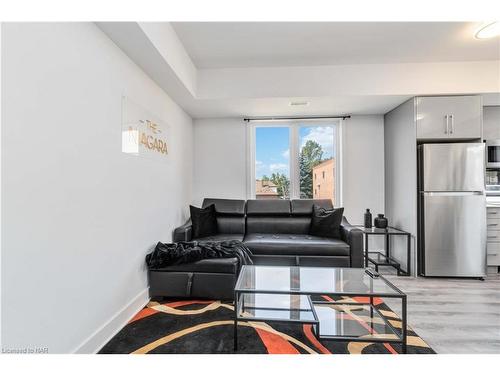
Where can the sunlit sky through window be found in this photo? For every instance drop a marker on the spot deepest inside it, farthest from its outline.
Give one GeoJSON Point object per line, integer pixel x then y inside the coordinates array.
{"type": "Point", "coordinates": [272, 147]}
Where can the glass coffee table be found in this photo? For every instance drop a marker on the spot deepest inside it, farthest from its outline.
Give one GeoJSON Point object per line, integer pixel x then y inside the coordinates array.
{"type": "Point", "coordinates": [294, 295]}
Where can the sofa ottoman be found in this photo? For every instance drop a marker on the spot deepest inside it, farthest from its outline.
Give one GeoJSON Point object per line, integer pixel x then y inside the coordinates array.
{"type": "Point", "coordinates": [206, 278]}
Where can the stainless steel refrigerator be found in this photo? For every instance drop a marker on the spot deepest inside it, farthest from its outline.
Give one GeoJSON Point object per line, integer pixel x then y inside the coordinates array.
{"type": "Point", "coordinates": [452, 210]}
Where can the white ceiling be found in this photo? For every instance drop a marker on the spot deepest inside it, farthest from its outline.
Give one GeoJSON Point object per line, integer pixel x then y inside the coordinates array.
{"type": "Point", "coordinates": [255, 88]}
{"type": "Point", "coordinates": [257, 44]}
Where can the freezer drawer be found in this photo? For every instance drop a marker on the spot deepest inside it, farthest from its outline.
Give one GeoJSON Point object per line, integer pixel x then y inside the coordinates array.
{"type": "Point", "coordinates": [493, 213]}
{"type": "Point", "coordinates": [454, 234]}
{"type": "Point", "coordinates": [493, 252]}
{"type": "Point", "coordinates": [493, 260]}
{"type": "Point", "coordinates": [493, 223]}
{"type": "Point", "coordinates": [493, 235]}
{"type": "Point", "coordinates": [452, 167]}
{"type": "Point", "coordinates": [493, 248]}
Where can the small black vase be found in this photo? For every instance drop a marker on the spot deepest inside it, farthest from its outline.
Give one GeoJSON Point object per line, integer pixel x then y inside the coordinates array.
{"type": "Point", "coordinates": [368, 218]}
{"type": "Point", "coordinates": [381, 221]}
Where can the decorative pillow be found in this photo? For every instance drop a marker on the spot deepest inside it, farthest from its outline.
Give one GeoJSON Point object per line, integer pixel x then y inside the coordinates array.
{"type": "Point", "coordinates": [204, 221]}
{"type": "Point", "coordinates": [326, 223]}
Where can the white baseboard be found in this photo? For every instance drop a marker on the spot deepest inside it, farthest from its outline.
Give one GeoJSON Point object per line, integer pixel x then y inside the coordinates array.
{"type": "Point", "coordinates": [104, 333]}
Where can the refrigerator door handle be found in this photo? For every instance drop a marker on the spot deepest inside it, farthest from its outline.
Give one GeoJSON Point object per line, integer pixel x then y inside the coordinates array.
{"type": "Point", "coordinates": [451, 121]}
{"type": "Point", "coordinates": [446, 124]}
{"type": "Point", "coordinates": [451, 193]}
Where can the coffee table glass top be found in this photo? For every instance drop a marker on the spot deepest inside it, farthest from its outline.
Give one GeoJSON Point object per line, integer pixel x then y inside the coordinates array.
{"type": "Point", "coordinates": [313, 280]}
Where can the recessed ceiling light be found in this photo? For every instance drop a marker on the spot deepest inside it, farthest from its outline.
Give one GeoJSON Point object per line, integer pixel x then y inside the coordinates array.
{"type": "Point", "coordinates": [298, 103]}
{"type": "Point", "coordinates": [489, 31]}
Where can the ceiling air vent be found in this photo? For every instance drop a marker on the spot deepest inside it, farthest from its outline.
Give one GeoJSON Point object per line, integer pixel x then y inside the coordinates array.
{"type": "Point", "coordinates": [297, 104]}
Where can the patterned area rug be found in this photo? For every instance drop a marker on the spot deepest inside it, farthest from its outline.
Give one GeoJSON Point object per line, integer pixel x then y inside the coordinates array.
{"type": "Point", "coordinates": [199, 326]}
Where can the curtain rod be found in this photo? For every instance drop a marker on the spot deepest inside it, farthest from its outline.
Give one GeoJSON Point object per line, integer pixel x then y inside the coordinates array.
{"type": "Point", "coordinates": [294, 118]}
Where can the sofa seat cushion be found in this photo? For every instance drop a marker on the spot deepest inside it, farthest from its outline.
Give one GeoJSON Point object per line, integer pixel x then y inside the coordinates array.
{"type": "Point", "coordinates": [295, 244]}
{"type": "Point", "coordinates": [221, 237]}
{"type": "Point", "coordinates": [212, 265]}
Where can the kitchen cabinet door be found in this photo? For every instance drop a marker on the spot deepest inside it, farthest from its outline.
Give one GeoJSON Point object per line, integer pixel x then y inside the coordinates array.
{"type": "Point", "coordinates": [491, 122]}
{"type": "Point", "coordinates": [465, 117]}
{"type": "Point", "coordinates": [448, 117]}
{"type": "Point", "coordinates": [432, 117]}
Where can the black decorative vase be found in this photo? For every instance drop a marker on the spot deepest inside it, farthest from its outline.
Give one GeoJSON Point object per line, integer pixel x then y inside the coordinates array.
{"type": "Point", "coordinates": [368, 218]}
{"type": "Point", "coordinates": [381, 221]}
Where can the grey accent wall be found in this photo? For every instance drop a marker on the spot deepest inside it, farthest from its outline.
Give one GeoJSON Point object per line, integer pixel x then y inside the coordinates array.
{"type": "Point", "coordinates": [401, 175]}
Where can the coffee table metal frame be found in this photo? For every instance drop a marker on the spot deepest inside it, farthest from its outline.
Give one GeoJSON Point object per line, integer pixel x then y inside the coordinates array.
{"type": "Point", "coordinates": [401, 337]}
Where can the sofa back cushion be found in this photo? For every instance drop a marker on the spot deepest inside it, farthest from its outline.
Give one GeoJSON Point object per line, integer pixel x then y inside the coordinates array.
{"type": "Point", "coordinates": [304, 207]}
{"type": "Point", "coordinates": [278, 224]}
{"type": "Point", "coordinates": [230, 215]}
{"type": "Point", "coordinates": [268, 216]}
{"type": "Point", "coordinates": [281, 215]}
{"type": "Point", "coordinates": [274, 216]}
{"type": "Point", "coordinates": [268, 207]}
{"type": "Point", "coordinates": [265, 216]}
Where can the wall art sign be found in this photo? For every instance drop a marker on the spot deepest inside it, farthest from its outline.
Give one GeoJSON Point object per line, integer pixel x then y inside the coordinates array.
{"type": "Point", "coordinates": [143, 134]}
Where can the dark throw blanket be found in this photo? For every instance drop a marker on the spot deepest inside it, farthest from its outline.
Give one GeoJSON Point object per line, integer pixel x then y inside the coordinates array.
{"type": "Point", "coordinates": [168, 254]}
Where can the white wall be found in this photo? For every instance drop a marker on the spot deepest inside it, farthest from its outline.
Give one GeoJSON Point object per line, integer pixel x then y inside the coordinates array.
{"type": "Point", "coordinates": [363, 166]}
{"type": "Point", "coordinates": [220, 156]}
{"type": "Point", "coordinates": [79, 215]}
{"type": "Point", "coordinates": [491, 122]}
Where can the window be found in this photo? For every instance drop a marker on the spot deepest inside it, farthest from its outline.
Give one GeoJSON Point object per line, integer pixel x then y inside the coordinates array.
{"type": "Point", "coordinates": [287, 159]}
{"type": "Point", "coordinates": [272, 169]}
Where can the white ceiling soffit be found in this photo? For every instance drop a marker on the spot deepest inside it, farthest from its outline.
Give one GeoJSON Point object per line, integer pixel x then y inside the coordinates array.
{"type": "Point", "coordinates": [259, 44]}
{"type": "Point", "coordinates": [316, 106]}
{"type": "Point", "coordinates": [331, 89]}
{"type": "Point", "coordinates": [361, 79]}
{"type": "Point", "coordinates": [156, 49]}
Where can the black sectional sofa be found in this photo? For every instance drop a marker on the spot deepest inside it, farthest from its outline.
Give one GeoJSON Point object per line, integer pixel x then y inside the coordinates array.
{"type": "Point", "coordinates": [277, 232]}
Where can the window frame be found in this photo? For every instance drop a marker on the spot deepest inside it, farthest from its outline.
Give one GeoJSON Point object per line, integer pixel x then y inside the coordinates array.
{"type": "Point", "coordinates": [294, 147]}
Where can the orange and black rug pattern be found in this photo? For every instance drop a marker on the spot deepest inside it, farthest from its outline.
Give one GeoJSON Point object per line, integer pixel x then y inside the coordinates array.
{"type": "Point", "coordinates": [203, 327]}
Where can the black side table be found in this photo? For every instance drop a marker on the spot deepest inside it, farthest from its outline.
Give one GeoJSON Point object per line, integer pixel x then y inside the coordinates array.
{"type": "Point", "coordinates": [378, 258]}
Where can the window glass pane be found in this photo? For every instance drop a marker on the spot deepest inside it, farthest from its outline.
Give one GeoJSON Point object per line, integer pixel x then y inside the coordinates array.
{"type": "Point", "coordinates": [272, 163]}
{"type": "Point", "coordinates": [317, 162]}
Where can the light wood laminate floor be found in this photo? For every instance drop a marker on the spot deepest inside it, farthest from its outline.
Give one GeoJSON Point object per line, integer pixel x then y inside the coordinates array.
{"type": "Point", "coordinates": [453, 315]}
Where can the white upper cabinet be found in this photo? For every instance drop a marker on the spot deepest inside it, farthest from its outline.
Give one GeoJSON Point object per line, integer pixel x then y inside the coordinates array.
{"type": "Point", "coordinates": [448, 117]}
{"type": "Point", "coordinates": [491, 122]}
